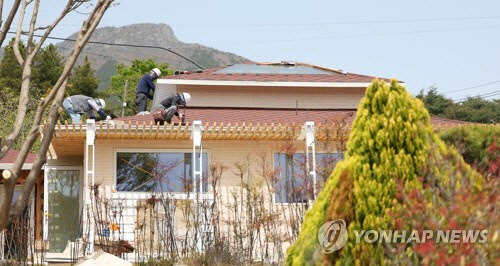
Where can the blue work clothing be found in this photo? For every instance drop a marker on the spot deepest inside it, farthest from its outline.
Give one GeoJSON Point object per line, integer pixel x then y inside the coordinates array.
{"type": "Point", "coordinates": [145, 85]}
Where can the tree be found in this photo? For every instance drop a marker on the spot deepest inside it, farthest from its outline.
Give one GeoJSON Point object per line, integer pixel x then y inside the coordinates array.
{"type": "Point", "coordinates": [391, 145]}
{"type": "Point", "coordinates": [472, 109]}
{"type": "Point", "coordinates": [47, 68]}
{"type": "Point", "coordinates": [435, 103]}
{"type": "Point", "coordinates": [52, 99]}
{"type": "Point", "coordinates": [475, 109]}
{"type": "Point", "coordinates": [10, 70]}
{"type": "Point", "coordinates": [10, 84]}
{"type": "Point", "coordinates": [83, 80]}
{"type": "Point", "coordinates": [132, 74]}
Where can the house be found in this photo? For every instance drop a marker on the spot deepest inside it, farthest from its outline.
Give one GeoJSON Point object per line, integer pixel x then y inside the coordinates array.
{"type": "Point", "coordinates": [14, 240]}
{"type": "Point", "coordinates": [259, 140]}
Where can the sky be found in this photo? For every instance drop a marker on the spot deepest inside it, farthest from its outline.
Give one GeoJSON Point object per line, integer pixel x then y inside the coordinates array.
{"type": "Point", "coordinates": [452, 45]}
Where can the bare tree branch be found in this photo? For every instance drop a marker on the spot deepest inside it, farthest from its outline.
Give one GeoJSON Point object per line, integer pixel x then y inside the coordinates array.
{"type": "Point", "coordinates": [8, 22]}
{"type": "Point", "coordinates": [17, 53]}
{"type": "Point", "coordinates": [1, 12]}
{"type": "Point", "coordinates": [23, 198]}
{"type": "Point", "coordinates": [55, 97]}
{"type": "Point", "coordinates": [26, 75]}
{"type": "Point", "coordinates": [34, 16]}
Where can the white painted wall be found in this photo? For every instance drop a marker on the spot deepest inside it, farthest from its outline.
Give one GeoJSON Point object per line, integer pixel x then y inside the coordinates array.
{"type": "Point", "coordinates": [162, 91]}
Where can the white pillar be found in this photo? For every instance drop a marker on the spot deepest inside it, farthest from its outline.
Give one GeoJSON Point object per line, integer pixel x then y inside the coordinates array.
{"type": "Point", "coordinates": [88, 222]}
{"type": "Point", "coordinates": [307, 134]}
{"type": "Point", "coordinates": [197, 175]}
{"type": "Point", "coordinates": [197, 161]}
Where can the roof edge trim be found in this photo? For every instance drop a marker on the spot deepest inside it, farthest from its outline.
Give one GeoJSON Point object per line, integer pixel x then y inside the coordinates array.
{"type": "Point", "coordinates": [263, 83]}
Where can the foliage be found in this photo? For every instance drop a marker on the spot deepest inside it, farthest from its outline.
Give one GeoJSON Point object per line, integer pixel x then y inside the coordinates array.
{"type": "Point", "coordinates": [47, 67]}
{"type": "Point", "coordinates": [132, 74]}
{"type": "Point", "coordinates": [83, 80]}
{"type": "Point", "coordinates": [10, 70]}
{"type": "Point", "coordinates": [391, 143]}
{"type": "Point", "coordinates": [473, 109]}
{"type": "Point", "coordinates": [435, 103]}
{"type": "Point", "coordinates": [478, 145]}
{"type": "Point", "coordinates": [459, 207]}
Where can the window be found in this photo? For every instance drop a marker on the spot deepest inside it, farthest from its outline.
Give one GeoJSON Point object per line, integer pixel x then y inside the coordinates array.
{"type": "Point", "coordinates": [156, 172]}
{"type": "Point", "coordinates": [293, 184]}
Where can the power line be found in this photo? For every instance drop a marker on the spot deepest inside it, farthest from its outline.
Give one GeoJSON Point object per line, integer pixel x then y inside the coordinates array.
{"type": "Point", "coordinates": [107, 56]}
{"type": "Point", "coordinates": [335, 23]}
{"type": "Point", "coordinates": [482, 96]}
{"type": "Point", "coordinates": [124, 45]}
{"type": "Point", "coordinates": [362, 35]}
{"type": "Point", "coordinates": [315, 23]}
{"type": "Point", "coordinates": [474, 87]}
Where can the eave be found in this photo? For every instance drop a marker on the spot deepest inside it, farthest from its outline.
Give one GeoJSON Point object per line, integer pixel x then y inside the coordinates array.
{"type": "Point", "coordinates": [211, 131]}
{"type": "Point", "coordinates": [265, 83]}
{"type": "Point", "coordinates": [214, 131]}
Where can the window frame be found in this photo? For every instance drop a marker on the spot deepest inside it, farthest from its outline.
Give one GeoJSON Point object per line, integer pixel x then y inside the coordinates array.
{"type": "Point", "coordinates": [140, 150]}
{"type": "Point", "coordinates": [274, 152]}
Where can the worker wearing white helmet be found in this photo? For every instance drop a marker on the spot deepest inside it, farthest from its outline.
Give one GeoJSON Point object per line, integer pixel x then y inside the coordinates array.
{"type": "Point", "coordinates": [144, 87]}
{"type": "Point", "coordinates": [171, 105]}
{"type": "Point", "coordinates": [79, 104]}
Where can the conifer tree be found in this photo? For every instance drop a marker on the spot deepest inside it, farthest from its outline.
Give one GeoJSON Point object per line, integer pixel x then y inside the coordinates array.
{"type": "Point", "coordinates": [391, 143]}
{"type": "Point", "coordinates": [47, 68]}
{"type": "Point", "coordinates": [83, 80]}
{"type": "Point", "coordinates": [10, 70]}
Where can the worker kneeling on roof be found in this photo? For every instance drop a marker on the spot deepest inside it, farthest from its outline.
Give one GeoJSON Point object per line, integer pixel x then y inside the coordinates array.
{"type": "Point", "coordinates": [143, 87]}
{"type": "Point", "coordinates": [170, 107]}
{"type": "Point", "coordinates": [80, 104]}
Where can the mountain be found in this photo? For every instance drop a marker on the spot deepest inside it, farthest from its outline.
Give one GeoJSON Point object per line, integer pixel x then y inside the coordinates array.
{"type": "Point", "coordinates": [105, 57]}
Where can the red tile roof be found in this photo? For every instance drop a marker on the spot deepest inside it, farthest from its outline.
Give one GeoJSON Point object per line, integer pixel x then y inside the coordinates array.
{"type": "Point", "coordinates": [333, 76]}
{"type": "Point", "coordinates": [11, 156]}
{"type": "Point", "coordinates": [257, 115]}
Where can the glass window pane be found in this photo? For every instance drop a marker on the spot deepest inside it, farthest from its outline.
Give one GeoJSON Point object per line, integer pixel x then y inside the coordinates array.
{"type": "Point", "coordinates": [293, 182]}
{"type": "Point", "coordinates": [156, 172]}
{"type": "Point", "coordinates": [64, 194]}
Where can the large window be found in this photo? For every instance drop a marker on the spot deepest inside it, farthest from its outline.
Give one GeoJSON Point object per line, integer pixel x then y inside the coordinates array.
{"type": "Point", "coordinates": [293, 184]}
{"type": "Point", "coordinates": [157, 172]}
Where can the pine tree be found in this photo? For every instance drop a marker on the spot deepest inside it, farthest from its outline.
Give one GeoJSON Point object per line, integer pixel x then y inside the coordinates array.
{"type": "Point", "coordinates": [10, 70]}
{"type": "Point", "coordinates": [47, 68]}
{"type": "Point", "coordinates": [83, 80]}
{"type": "Point", "coordinates": [10, 84]}
{"type": "Point", "coordinates": [391, 142]}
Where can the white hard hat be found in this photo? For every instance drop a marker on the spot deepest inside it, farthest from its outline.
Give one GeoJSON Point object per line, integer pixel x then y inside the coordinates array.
{"type": "Point", "coordinates": [102, 103]}
{"type": "Point", "coordinates": [156, 71]}
{"type": "Point", "coordinates": [186, 96]}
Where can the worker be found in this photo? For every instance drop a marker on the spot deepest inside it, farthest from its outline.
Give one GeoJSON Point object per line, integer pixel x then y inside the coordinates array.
{"type": "Point", "coordinates": [143, 87]}
{"type": "Point", "coordinates": [170, 107]}
{"type": "Point", "coordinates": [80, 104]}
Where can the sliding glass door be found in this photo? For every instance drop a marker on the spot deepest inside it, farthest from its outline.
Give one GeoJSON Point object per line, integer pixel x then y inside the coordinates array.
{"type": "Point", "coordinates": [62, 208]}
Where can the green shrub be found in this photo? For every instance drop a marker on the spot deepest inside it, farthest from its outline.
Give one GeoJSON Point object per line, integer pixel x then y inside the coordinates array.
{"type": "Point", "coordinates": [391, 142]}
{"type": "Point", "coordinates": [477, 145]}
